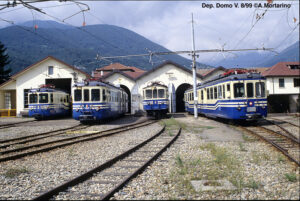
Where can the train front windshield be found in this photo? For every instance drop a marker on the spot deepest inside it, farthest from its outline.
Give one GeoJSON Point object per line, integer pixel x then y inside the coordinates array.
{"type": "Point", "coordinates": [239, 90]}
{"type": "Point", "coordinates": [90, 94]}
{"type": "Point", "coordinates": [154, 93]}
{"type": "Point", "coordinates": [38, 98]}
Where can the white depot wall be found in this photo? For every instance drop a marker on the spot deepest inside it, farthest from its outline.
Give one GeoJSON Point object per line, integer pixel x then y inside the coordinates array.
{"type": "Point", "coordinates": [118, 79]}
{"type": "Point", "coordinates": [273, 86]}
{"type": "Point", "coordinates": [168, 74]}
{"type": "Point", "coordinates": [36, 76]}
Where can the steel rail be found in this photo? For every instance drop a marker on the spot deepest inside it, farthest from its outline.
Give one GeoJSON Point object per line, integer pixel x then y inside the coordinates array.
{"type": "Point", "coordinates": [39, 136]}
{"type": "Point", "coordinates": [2, 126]}
{"type": "Point", "coordinates": [50, 194]}
{"type": "Point", "coordinates": [72, 140]}
{"type": "Point", "coordinates": [284, 151]}
{"type": "Point", "coordinates": [286, 122]}
{"type": "Point", "coordinates": [289, 136]}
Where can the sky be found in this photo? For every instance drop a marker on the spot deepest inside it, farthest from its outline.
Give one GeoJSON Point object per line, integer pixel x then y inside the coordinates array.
{"type": "Point", "coordinates": [236, 24]}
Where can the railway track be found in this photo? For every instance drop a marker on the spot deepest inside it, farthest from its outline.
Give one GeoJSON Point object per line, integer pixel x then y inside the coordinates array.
{"type": "Point", "coordinates": [14, 124]}
{"type": "Point", "coordinates": [30, 138]}
{"type": "Point", "coordinates": [288, 145]}
{"type": "Point", "coordinates": [35, 148]}
{"type": "Point", "coordinates": [281, 122]}
{"type": "Point", "coordinates": [103, 181]}
{"type": "Point", "coordinates": [285, 127]}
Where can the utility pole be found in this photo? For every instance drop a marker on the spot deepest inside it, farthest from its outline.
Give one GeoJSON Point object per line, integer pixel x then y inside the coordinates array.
{"type": "Point", "coordinates": [194, 73]}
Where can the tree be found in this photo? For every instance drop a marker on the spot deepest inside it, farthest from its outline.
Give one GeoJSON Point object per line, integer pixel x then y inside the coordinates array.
{"type": "Point", "coordinates": [4, 60]}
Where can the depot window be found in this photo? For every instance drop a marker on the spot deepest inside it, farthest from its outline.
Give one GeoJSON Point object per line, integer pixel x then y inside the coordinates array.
{"type": "Point", "coordinates": [33, 98]}
{"type": "Point", "coordinates": [161, 93]}
{"type": "Point", "coordinates": [43, 98]}
{"type": "Point", "coordinates": [281, 82]}
{"type": "Point", "coordinates": [95, 94]}
{"type": "Point", "coordinates": [239, 90]}
{"type": "Point", "coordinates": [77, 95]}
{"type": "Point", "coordinates": [50, 70]}
{"type": "Point", "coordinates": [260, 89]}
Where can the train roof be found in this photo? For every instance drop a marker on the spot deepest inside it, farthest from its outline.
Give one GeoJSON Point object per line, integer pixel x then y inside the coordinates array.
{"type": "Point", "coordinates": [44, 89]}
{"type": "Point", "coordinates": [96, 83]}
{"type": "Point", "coordinates": [223, 78]}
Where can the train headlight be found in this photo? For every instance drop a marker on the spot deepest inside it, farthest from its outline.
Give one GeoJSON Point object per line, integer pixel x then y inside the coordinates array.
{"type": "Point", "coordinates": [250, 103]}
{"type": "Point", "coordinates": [98, 108]}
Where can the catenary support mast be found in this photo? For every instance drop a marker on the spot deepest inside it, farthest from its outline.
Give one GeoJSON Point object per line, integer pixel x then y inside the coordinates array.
{"type": "Point", "coordinates": [194, 73]}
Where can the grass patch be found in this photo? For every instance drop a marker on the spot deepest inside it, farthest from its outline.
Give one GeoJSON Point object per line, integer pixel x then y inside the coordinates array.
{"type": "Point", "coordinates": [258, 158]}
{"type": "Point", "coordinates": [291, 177]}
{"type": "Point", "coordinates": [173, 123]}
{"type": "Point", "coordinates": [221, 165]}
{"type": "Point", "coordinates": [248, 138]}
{"type": "Point", "coordinates": [242, 148]}
{"type": "Point", "coordinates": [15, 172]}
{"type": "Point", "coordinates": [253, 184]}
{"type": "Point", "coordinates": [281, 158]}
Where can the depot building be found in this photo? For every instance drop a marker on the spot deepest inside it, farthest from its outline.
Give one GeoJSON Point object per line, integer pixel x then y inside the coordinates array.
{"type": "Point", "coordinates": [50, 70]}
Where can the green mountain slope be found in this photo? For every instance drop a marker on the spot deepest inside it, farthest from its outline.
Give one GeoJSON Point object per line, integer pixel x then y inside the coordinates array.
{"type": "Point", "coordinates": [79, 46]}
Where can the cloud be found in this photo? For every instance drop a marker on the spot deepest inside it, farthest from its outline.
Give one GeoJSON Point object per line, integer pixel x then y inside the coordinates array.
{"type": "Point", "coordinates": [168, 23]}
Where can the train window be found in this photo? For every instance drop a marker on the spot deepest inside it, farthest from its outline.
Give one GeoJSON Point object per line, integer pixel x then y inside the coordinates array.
{"type": "Point", "coordinates": [95, 94]}
{"type": "Point", "coordinates": [207, 94]}
{"type": "Point", "coordinates": [33, 98]}
{"type": "Point", "coordinates": [77, 95]}
{"type": "Point", "coordinates": [148, 93]}
{"type": "Point", "coordinates": [223, 90]}
{"type": "Point", "coordinates": [86, 95]}
{"type": "Point", "coordinates": [103, 95]}
{"type": "Point", "coordinates": [220, 92]}
{"type": "Point", "coordinates": [250, 93]}
{"type": "Point", "coordinates": [228, 87]}
{"type": "Point", "coordinates": [51, 98]}
{"type": "Point", "coordinates": [211, 93]}
{"type": "Point", "coordinates": [215, 93]}
{"type": "Point", "coordinates": [202, 97]}
{"type": "Point", "coordinates": [43, 98]}
{"type": "Point", "coordinates": [161, 93]}
{"type": "Point", "coordinates": [239, 90]}
{"type": "Point", "coordinates": [260, 89]}
{"type": "Point", "coordinates": [154, 93]}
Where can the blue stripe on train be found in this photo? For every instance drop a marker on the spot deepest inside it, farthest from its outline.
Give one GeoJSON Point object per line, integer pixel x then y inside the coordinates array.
{"type": "Point", "coordinates": [36, 111]}
{"type": "Point", "coordinates": [229, 112]}
{"type": "Point", "coordinates": [90, 111]}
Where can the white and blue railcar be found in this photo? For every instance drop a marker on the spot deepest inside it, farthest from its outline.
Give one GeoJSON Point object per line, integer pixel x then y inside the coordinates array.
{"type": "Point", "coordinates": [237, 95]}
{"type": "Point", "coordinates": [46, 102]}
{"type": "Point", "coordinates": [96, 101]}
{"type": "Point", "coordinates": [155, 99]}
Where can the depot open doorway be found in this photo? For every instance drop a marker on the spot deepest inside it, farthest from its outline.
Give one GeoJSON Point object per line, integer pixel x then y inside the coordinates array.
{"type": "Point", "coordinates": [129, 97]}
{"type": "Point", "coordinates": [180, 95]}
{"type": "Point", "coordinates": [63, 84]}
